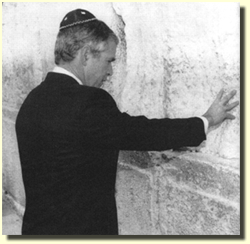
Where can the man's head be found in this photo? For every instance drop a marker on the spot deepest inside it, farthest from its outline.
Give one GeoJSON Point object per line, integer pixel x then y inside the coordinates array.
{"type": "Point", "coordinates": [84, 43]}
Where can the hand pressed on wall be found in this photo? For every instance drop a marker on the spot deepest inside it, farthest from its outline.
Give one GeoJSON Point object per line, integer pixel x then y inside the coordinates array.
{"type": "Point", "coordinates": [220, 108]}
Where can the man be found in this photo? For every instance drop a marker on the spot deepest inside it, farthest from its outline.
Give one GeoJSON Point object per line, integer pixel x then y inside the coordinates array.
{"type": "Point", "coordinates": [70, 132]}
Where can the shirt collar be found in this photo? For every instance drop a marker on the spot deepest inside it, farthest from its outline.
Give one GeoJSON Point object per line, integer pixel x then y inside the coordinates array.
{"type": "Point", "coordinates": [61, 70]}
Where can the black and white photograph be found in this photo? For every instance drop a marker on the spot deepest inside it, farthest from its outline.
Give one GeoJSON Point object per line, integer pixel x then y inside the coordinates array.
{"type": "Point", "coordinates": [121, 119]}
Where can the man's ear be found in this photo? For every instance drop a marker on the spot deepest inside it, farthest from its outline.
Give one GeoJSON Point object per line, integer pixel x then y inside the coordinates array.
{"type": "Point", "coordinates": [84, 55]}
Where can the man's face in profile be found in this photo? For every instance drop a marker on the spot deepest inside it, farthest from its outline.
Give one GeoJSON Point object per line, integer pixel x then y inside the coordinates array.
{"type": "Point", "coordinates": [100, 67]}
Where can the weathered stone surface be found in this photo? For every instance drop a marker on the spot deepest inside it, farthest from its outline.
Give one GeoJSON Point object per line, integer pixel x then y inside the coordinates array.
{"type": "Point", "coordinates": [11, 222]}
{"type": "Point", "coordinates": [133, 203]}
{"type": "Point", "coordinates": [144, 89]}
{"type": "Point", "coordinates": [115, 84]}
{"type": "Point", "coordinates": [11, 225]}
{"type": "Point", "coordinates": [136, 158]}
{"type": "Point", "coordinates": [204, 178]}
{"type": "Point", "coordinates": [184, 212]}
{"type": "Point", "coordinates": [11, 170]}
{"type": "Point", "coordinates": [9, 114]}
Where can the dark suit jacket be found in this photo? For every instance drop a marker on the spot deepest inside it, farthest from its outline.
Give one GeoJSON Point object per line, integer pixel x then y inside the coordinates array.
{"type": "Point", "coordinates": [69, 137]}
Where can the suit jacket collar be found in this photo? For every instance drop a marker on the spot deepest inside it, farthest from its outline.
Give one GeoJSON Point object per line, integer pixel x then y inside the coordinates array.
{"type": "Point", "coordinates": [60, 79]}
{"type": "Point", "coordinates": [61, 70]}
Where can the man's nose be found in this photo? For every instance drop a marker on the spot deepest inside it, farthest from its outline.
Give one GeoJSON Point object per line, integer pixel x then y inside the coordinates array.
{"type": "Point", "coordinates": [110, 70]}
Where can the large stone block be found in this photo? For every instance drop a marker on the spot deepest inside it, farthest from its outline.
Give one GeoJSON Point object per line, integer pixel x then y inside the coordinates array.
{"type": "Point", "coordinates": [134, 203]}
{"type": "Point", "coordinates": [203, 177]}
{"type": "Point", "coordinates": [184, 212]}
{"type": "Point", "coordinates": [196, 196]}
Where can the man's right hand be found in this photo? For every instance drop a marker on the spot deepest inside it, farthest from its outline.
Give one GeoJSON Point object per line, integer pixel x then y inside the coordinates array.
{"type": "Point", "coordinates": [219, 110]}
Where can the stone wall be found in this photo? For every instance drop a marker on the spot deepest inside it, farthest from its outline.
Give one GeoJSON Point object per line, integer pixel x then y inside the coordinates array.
{"type": "Point", "coordinates": [172, 60]}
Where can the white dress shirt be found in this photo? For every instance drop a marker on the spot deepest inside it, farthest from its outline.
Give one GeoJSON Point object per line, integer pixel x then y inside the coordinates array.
{"type": "Point", "coordinates": [61, 70]}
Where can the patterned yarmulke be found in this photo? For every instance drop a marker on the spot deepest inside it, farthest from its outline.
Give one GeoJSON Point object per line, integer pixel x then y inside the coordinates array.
{"type": "Point", "coordinates": [76, 17]}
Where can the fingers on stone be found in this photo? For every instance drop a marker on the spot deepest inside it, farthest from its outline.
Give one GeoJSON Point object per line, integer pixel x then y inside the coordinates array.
{"type": "Point", "coordinates": [220, 94]}
{"type": "Point", "coordinates": [230, 116]}
{"type": "Point", "coordinates": [227, 98]}
{"type": "Point", "coordinates": [232, 105]}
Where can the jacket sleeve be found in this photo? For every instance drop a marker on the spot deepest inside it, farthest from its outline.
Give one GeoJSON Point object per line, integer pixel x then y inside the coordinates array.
{"type": "Point", "coordinates": [103, 125]}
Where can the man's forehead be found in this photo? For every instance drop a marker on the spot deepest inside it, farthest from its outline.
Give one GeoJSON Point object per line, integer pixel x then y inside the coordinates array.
{"type": "Point", "coordinates": [110, 49]}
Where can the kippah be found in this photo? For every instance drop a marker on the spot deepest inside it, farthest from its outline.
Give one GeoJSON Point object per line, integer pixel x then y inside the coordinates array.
{"type": "Point", "coordinates": [76, 17]}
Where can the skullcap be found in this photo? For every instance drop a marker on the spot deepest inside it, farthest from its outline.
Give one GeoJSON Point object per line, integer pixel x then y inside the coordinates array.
{"type": "Point", "coordinates": [76, 17]}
